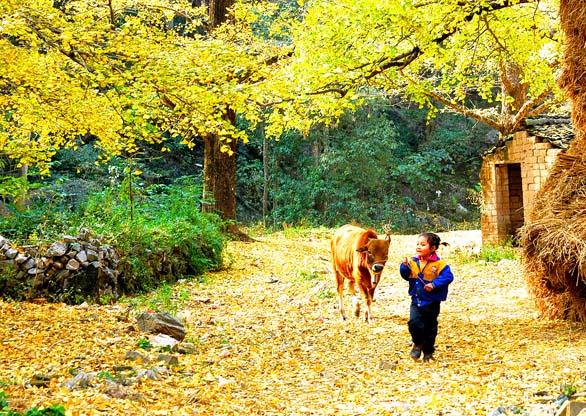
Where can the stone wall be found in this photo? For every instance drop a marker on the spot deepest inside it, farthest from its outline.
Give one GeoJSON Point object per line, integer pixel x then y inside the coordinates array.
{"type": "Point", "coordinates": [72, 269]}
{"type": "Point", "coordinates": [500, 215]}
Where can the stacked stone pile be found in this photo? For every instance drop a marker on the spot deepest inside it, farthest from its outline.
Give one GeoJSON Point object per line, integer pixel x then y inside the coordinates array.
{"type": "Point", "coordinates": [70, 270]}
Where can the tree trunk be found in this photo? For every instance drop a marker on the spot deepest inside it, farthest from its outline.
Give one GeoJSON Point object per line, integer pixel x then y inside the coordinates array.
{"type": "Point", "coordinates": [218, 11]}
{"type": "Point", "coordinates": [512, 87]}
{"type": "Point", "coordinates": [219, 176]}
{"type": "Point", "coordinates": [266, 178]}
{"type": "Point", "coordinates": [219, 180]}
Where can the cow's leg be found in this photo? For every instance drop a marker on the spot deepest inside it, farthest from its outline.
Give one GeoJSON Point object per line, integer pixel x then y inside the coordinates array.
{"type": "Point", "coordinates": [367, 292]}
{"type": "Point", "coordinates": [368, 314]}
{"type": "Point", "coordinates": [357, 306]}
{"type": "Point", "coordinates": [355, 298]}
{"type": "Point", "coordinates": [340, 284]}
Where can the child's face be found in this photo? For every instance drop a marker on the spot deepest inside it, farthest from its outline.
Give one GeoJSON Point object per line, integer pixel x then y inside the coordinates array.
{"type": "Point", "coordinates": [423, 248]}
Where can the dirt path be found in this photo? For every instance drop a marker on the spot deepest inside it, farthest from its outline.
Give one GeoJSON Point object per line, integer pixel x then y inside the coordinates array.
{"type": "Point", "coordinates": [269, 341]}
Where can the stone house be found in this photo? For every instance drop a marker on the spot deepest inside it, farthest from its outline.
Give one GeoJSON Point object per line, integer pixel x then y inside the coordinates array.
{"type": "Point", "coordinates": [513, 171]}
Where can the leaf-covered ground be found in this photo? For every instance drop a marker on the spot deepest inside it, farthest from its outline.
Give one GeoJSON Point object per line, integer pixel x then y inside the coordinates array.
{"type": "Point", "coordinates": [269, 341]}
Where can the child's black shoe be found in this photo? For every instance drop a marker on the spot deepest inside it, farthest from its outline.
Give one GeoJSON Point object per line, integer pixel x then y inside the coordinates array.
{"type": "Point", "coordinates": [427, 358]}
{"type": "Point", "coordinates": [416, 352]}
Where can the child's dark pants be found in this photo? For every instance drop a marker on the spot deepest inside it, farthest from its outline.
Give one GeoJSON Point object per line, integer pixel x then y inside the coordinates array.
{"type": "Point", "coordinates": [423, 325]}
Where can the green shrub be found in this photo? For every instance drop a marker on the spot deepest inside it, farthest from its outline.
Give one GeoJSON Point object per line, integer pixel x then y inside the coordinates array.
{"type": "Point", "coordinates": [307, 275]}
{"type": "Point", "coordinates": [54, 410]}
{"type": "Point", "coordinates": [379, 165]}
{"type": "Point", "coordinates": [163, 236]}
{"type": "Point", "coordinates": [326, 294]}
{"type": "Point", "coordinates": [496, 253]}
{"type": "Point", "coordinates": [12, 286]}
{"type": "Point", "coordinates": [30, 212]}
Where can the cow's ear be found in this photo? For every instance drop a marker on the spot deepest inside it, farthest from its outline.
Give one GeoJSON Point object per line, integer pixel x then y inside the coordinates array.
{"type": "Point", "coordinates": [362, 249]}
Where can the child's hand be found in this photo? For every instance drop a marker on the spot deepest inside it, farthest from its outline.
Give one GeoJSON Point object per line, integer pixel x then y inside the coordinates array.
{"type": "Point", "coordinates": [405, 261]}
{"type": "Point", "coordinates": [428, 287]}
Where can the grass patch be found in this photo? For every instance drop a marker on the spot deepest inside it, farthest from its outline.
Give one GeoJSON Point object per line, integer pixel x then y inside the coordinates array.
{"type": "Point", "coordinates": [496, 253]}
{"type": "Point", "coordinates": [166, 298]}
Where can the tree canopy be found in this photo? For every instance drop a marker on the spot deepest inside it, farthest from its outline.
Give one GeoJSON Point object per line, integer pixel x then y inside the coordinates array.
{"type": "Point", "coordinates": [436, 53]}
{"type": "Point", "coordinates": [124, 73]}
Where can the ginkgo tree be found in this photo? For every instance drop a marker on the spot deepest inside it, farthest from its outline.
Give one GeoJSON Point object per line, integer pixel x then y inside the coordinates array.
{"type": "Point", "coordinates": [439, 53]}
{"type": "Point", "coordinates": [65, 80]}
{"type": "Point", "coordinates": [123, 72]}
{"type": "Point", "coordinates": [510, 59]}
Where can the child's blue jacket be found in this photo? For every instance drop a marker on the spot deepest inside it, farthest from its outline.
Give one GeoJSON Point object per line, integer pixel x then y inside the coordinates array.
{"type": "Point", "coordinates": [435, 271]}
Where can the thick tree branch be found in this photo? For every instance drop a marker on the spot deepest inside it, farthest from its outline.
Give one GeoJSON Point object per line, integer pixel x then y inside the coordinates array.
{"type": "Point", "coordinates": [466, 111]}
{"type": "Point", "coordinates": [529, 107]}
{"type": "Point", "coordinates": [401, 61]}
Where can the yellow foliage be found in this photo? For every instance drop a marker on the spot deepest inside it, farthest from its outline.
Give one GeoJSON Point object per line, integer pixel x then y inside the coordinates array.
{"type": "Point", "coordinates": [126, 72]}
{"type": "Point", "coordinates": [266, 341]}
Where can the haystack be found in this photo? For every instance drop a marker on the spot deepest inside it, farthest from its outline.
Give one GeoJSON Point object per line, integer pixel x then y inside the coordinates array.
{"type": "Point", "coordinates": [554, 242]}
{"type": "Point", "coordinates": [554, 237]}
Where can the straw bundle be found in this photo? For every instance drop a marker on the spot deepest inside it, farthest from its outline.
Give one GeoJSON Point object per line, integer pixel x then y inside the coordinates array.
{"type": "Point", "coordinates": [554, 237]}
{"type": "Point", "coordinates": [554, 243]}
{"type": "Point", "coordinates": [573, 22]}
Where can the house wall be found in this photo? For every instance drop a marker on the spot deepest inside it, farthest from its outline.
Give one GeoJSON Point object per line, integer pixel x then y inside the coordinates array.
{"type": "Point", "coordinates": [536, 159]}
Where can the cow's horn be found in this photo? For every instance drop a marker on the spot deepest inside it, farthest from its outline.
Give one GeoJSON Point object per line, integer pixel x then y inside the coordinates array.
{"type": "Point", "coordinates": [387, 230]}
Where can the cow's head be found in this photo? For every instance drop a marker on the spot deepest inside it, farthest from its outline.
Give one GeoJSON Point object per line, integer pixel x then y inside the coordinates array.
{"type": "Point", "coordinates": [377, 254]}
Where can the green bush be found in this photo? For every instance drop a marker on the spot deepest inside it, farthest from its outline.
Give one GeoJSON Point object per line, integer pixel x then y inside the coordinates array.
{"type": "Point", "coordinates": [379, 165]}
{"type": "Point", "coordinates": [54, 410]}
{"type": "Point", "coordinates": [496, 253]}
{"type": "Point", "coordinates": [11, 287]}
{"type": "Point", "coordinates": [158, 231]}
{"type": "Point", "coordinates": [160, 235]}
{"type": "Point", "coordinates": [30, 211]}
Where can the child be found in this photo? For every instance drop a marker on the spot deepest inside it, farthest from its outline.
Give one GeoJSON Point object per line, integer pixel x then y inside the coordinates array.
{"type": "Point", "coordinates": [428, 278]}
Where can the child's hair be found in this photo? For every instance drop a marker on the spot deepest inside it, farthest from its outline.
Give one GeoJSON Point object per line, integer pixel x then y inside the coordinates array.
{"type": "Point", "coordinates": [433, 239]}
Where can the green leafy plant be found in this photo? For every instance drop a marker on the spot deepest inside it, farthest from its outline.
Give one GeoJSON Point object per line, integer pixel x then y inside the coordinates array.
{"type": "Point", "coordinates": [3, 401]}
{"type": "Point", "coordinates": [569, 389]}
{"type": "Point", "coordinates": [168, 237]}
{"type": "Point", "coordinates": [326, 294]}
{"type": "Point", "coordinates": [11, 286]}
{"type": "Point", "coordinates": [165, 348]}
{"type": "Point", "coordinates": [6, 383]}
{"type": "Point", "coordinates": [145, 344]}
{"type": "Point", "coordinates": [161, 299]}
{"type": "Point", "coordinates": [308, 275]}
{"type": "Point", "coordinates": [53, 410]}
{"type": "Point", "coordinates": [496, 253]}
{"type": "Point", "coordinates": [107, 375]}
{"type": "Point", "coordinates": [165, 298]}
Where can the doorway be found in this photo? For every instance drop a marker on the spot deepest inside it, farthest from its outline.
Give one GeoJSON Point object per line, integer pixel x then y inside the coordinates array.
{"type": "Point", "coordinates": [511, 216]}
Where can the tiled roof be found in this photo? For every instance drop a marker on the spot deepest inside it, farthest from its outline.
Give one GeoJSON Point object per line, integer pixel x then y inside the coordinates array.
{"type": "Point", "coordinates": [556, 129]}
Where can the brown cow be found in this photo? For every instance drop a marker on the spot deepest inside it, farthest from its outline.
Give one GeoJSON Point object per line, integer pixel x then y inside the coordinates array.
{"type": "Point", "coordinates": [359, 256]}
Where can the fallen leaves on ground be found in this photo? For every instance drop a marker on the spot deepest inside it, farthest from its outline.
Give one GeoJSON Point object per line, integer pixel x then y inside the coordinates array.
{"type": "Point", "coordinates": [269, 341]}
